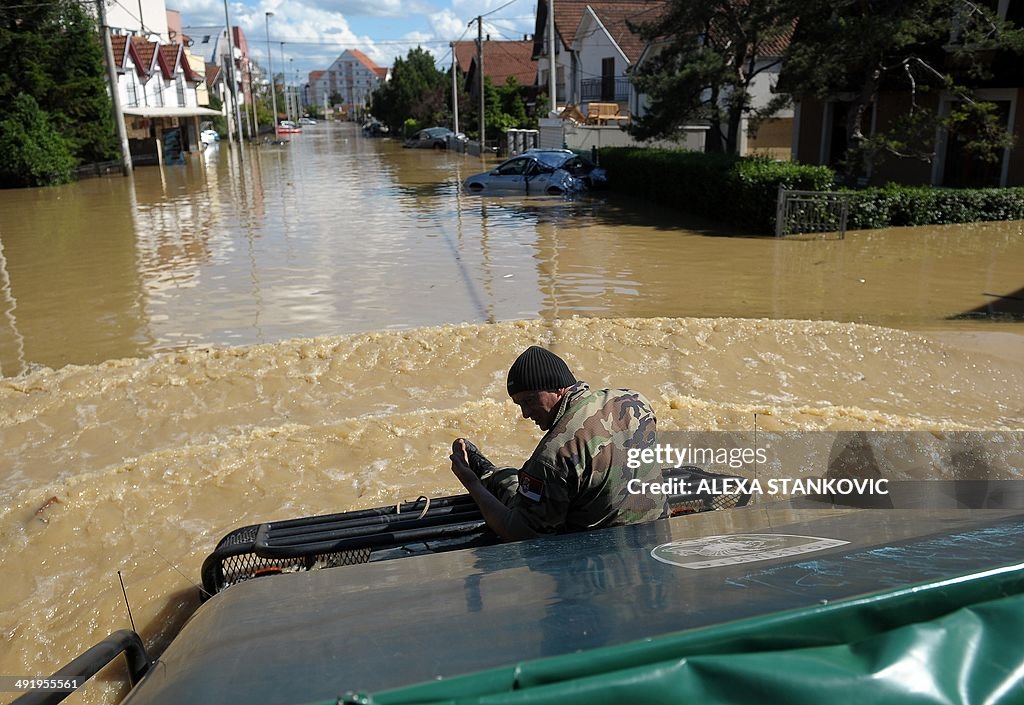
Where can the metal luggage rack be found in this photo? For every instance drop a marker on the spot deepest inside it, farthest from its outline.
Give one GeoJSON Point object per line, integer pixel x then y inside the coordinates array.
{"type": "Point", "coordinates": [425, 525]}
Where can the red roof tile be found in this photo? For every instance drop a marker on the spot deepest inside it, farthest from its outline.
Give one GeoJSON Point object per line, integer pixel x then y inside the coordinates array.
{"type": "Point", "coordinates": [169, 55]}
{"type": "Point", "coordinates": [119, 43]}
{"type": "Point", "coordinates": [364, 59]}
{"type": "Point", "coordinates": [145, 50]}
{"type": "Point", "coordinates": [501, 60]}
{"type": "Point", "coordinates": [212, 74]}
{"type": "Point", "coordinates": [614, 17]}
{"type": "Point", "coordinates": [613, 14]}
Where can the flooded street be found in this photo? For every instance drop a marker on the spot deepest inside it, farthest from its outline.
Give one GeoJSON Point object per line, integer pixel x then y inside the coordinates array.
{"type": "Point", "coordinates": [336, 233]}
{"type": "Point", "coordinates": [197, 348]}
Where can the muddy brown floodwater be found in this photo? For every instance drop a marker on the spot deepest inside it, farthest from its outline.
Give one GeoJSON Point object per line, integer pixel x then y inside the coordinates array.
{"type": "Point", "coordinates": [199, 347]}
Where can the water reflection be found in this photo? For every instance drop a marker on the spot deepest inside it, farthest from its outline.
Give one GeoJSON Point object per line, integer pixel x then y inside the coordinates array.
{"type": "Point", "coordinates": [337, 233]}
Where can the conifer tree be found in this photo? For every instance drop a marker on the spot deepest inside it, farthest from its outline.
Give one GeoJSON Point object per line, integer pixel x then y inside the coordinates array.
{"type": "Point", "coordinates": [701, 63]}
{"type": "Point", "coordinates": [52, 52]}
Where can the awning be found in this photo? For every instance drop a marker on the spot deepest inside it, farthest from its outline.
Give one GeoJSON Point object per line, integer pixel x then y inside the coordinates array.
{"type": "Point", "coordinates": [169, 112]}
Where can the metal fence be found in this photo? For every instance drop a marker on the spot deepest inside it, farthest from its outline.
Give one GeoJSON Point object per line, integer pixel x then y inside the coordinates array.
{"type": "Point", "coordinates": [811, 212]}
{"type": "Point", "coordinates": [609, 89]}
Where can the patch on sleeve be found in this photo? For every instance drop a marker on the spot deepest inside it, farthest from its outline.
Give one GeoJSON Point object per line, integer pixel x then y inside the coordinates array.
{"type": "Point", "coordinates": [530, 486]}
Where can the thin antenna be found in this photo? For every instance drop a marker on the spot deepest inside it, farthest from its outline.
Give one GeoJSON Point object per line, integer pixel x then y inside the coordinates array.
{"type": "Point", "coordinates": [767, 513]}
{"type": "Point", "coordinates": [125, 593]}
{"type": "Point", "coordinates": [755, 445]}
{"type": "Point", "coordinates": [175, 569]}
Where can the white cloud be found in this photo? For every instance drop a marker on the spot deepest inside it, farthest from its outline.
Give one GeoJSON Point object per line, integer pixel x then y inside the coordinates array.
{"type": "Point", "coordinates": [447, 25]}
{"type": "Point", "coordinates": [316, 34]}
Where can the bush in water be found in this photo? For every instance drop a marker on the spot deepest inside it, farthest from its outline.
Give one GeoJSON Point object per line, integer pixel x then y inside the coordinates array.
{"type": "Point", "coordinates": [740, 191]}
{"type": "Point", "coordinates": [894, 205]}
{"type": "Point", "coordinates": [31, 151]}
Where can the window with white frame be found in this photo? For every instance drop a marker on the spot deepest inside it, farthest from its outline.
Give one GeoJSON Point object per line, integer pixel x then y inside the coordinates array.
{"type": "Point", "coordinates": [131, 87]}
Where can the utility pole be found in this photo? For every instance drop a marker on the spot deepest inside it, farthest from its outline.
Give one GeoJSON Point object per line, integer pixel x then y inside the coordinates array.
{"type": "Point", "coordinates": [252, 92]}
{"type": "Point", "coordinates": [552, 69]}
{"type": "Point", "coordinates": [284, 86]}
{"type": "Point", "coordinates": [232, 73]}
{"type": "Point", "coordinates": [455, 90]}
{"type": "Point", "coordinates": [480, 70]}
{"type": "Point", "coordinates": [115, 95]}
{"type": "Point", "coordinates": [270, 67]}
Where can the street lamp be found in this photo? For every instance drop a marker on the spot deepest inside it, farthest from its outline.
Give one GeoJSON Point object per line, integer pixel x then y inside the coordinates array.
{"type": "Point", "coordinates": [232, 76]}
{"type": "Point", "coordinates": [284, 85]}
{"type": "Point", "coordinates": [252, 93]}
{"type": "Point", "coordinates": [270, 67]}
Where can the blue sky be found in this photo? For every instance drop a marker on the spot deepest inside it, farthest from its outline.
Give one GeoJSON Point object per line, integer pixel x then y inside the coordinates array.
{"type": "Point", "coordinates": [315, 32]}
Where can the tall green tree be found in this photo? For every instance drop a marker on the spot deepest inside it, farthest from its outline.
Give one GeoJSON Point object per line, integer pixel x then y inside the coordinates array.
{"type": "Point", "coordinates": [860, 48]}
{"type": "Point", "coordinates": [417, 90]}
{"type": "Point", "coordinates": [52, 52]}
{"type": "Point", "coordinates": [32, 153]}
{"type": "Point", "coordinates": [703, 61]}
{"type": "Point", "coordinates": [505, 107]}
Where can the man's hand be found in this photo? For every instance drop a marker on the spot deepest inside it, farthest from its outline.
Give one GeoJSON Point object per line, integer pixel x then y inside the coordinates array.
{"type": "Point", "coordinates": [499, 518]}
{"type": "Point", "coordinates": [460, 464]}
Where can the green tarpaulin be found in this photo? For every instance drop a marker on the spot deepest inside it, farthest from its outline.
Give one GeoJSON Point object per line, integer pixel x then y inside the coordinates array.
{"type": "Point", "coordinates": [956, 641]}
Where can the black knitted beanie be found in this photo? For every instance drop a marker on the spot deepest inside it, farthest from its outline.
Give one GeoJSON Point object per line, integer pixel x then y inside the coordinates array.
{"type": "Point", "coordinates": [537, 369]}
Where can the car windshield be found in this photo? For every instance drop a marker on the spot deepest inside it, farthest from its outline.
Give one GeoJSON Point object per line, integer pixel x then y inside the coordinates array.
{"type": "Point", "coordinates": [552, 159]}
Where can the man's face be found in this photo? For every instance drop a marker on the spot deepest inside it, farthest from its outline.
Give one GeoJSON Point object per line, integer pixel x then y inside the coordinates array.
{"type": "Point", "coordinates": [539, 407]}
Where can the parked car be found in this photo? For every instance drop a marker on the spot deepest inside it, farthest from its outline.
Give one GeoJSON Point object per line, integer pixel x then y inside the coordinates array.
{"type": "Point", "coordinates": [306, 121]}
{"type": "Point", "coordinates": [539, 171]}
{"type": "Point", "coordinates": [374, 128]}
{"type": "Point", "coordinates": [209, 137]}
{"type": "Point", "coordinates": [430, 138]}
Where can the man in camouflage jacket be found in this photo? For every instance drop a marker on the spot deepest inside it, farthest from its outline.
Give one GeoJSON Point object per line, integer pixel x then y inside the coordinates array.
{"type": "Point", "coordinates": [577, 477]}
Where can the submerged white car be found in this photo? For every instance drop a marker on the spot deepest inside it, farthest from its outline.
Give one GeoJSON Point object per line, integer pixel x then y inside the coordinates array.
{"type": "Point", "coordinates": [539, 171]}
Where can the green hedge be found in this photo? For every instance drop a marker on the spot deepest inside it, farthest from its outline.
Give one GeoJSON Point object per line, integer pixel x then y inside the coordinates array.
{"type": "Point", "coordinates": [743, 192]}
{"type": "Point", "coordinates": [895, 205]}
{"type": "Point", "coordinates": [31, 151]}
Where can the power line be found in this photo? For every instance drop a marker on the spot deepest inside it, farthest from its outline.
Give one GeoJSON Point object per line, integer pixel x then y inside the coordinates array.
{"type": "Point", "coordinates": [498, 8]}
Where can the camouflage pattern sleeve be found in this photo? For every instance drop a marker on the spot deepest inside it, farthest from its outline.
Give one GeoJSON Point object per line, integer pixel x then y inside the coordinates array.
{"type": "Point", "coordinates": [543, 496]}
{"type": "Point", "coordinates": [578, 477]}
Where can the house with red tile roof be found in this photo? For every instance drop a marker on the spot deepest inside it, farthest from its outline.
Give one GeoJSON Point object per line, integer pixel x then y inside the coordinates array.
{"type": "Point", "coordinates": [502, 60]}
{"type": "Point", "coordinates": [352, 77]}
{"type": "Point", "coordinates": [157, 87]}
{"type": "Point", "coordinates": [595, 50]}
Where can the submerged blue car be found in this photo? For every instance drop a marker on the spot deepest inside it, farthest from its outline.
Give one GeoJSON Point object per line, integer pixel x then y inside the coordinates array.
{"type": "Point", "coordinates": [539, 171]}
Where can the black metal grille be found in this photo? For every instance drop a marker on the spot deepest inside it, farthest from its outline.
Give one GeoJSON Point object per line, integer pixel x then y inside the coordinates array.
{"type": "Point", "coordinates": [246, 566]}
{"type": "Point", "coordinates": [382, 533]}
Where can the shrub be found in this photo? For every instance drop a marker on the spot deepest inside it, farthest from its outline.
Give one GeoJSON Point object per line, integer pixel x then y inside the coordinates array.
{"type": "Point", "coordinates": [894, 205]}
{"type": "Point", "coordinates": [31, 151]}
{"type": "Point", "coordinates": [743, 192]}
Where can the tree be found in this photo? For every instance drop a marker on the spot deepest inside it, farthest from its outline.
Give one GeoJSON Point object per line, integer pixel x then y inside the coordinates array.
{"type": "Point", "coordinates": [31, 151]}
{"type": "Point", "coordinates": [704, 58]}
{"type": "Point", "coordinates": [417, 90]}
{"type": "Point", "coordinates": [505, 108]}
{"type": "Point", "coordinates": [52, 52]}
{"type": "Point", "coordinates": [860, 48]}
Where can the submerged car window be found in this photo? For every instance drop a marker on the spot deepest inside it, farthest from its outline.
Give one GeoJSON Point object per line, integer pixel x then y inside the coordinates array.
{"type": "Point", "coordinates": [513, 167]}
{"type": "Point", "coordinates": [552, 159]}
